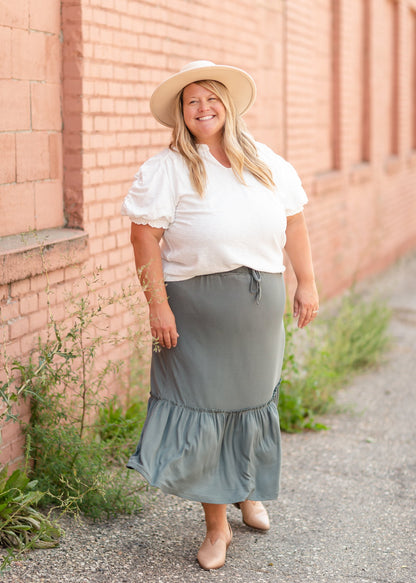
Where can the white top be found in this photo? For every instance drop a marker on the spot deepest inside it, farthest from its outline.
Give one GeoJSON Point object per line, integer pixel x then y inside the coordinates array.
{"type": "Point", "coordinates": [232, 225]}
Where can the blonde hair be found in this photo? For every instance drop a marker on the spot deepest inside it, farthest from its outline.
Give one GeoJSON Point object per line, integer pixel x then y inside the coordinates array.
{"type": "Point", "coordinates": [238, 145]}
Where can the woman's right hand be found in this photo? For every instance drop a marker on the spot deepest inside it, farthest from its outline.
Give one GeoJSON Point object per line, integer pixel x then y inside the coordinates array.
{"type": "Point", "coordinates": [163, 324]}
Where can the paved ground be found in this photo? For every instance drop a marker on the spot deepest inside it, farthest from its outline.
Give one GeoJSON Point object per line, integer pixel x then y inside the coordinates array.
{"type": "Point", "coordinates": [347, 510]}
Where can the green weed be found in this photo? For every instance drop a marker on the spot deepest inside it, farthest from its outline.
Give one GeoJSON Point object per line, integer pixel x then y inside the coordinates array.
{"type": "Point", "coordinates": [346, 341]}
{"type": "Point", "coordinates": [76, 432]}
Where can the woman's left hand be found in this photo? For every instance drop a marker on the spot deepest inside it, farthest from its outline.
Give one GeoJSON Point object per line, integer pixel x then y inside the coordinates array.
{"type": "Point", "coordinates": [305, 304]}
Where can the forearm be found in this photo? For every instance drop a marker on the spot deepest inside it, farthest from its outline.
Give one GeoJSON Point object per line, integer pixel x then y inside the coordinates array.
{"type": "Point", "coordinates": [148, 262]}
{"type": "Point", "coordinates": [145, 241]}
{"type": "Point", "coordinates": [298, 249]}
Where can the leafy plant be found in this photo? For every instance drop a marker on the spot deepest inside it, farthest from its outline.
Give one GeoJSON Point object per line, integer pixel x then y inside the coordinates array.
{"type": "Point", "coordinates": [21, 524]}
{"type": "Point", "coordinates": [68, 391]}
{"type": "Point", "coordinates": [118, 427]}
{"type": "Point", "coordinates": [340, 345]}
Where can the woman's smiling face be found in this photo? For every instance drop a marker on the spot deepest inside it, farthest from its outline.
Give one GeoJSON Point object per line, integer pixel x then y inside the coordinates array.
{"type": "Point", "coordinates": [204, 114]}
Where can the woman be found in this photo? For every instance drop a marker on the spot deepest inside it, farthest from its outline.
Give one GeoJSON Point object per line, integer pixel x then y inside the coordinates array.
{"type": "Point", "coordinates": [210, 216]}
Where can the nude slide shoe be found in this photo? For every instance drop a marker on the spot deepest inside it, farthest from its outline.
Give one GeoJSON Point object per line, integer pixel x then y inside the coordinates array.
{"type": "Point", "coordinates": [212, 555]}
{"type": "Point", "coordinates": [254, 514]}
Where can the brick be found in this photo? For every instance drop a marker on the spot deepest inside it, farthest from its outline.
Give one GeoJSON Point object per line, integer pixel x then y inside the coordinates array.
{"type": "Point", "coordinates": [49, 211]}
{"type": "Point", "coordinates": [14, 105]}
{"type": "Point", "coordinates": [18, 327]}
{"type": "Point", "coordinates": [15, 13]}
{"type": "Point", "coordinates": [116, 224]}
{"type": "Point", "coordinates": [109, 242]}
{"type": "Point", "coordinates": [114, 257]}
{"type": "Point", "coordinates": [74, 272]}
{"type": "Point", "coordinates": [17, 451]}
{"type": "Point", "coordinates": [17, 208]}
{"type": "Point", "coordinates": [96, 246]}
{"type": "Point", "coordinates": [4, 292]}
{"type": "Point", "coordinates": [8, 158]}
{"type": "Point", "coordinates": [55, 277]}
{"type": "Point", "coordinates": [53, 62]}
{"type": "Point", "coordinates": [29, 303]}
{"type": "Point", "coordinates": [6, 53]}
{"type": "Point", "coordinates": [9, 310]}
{"type": "Point", "coordinates": [37, 283]}
{"type": "Point", "coordinates": [19, 288]}
{"type": "Point", "coordinates": [46, 106]}
{"type": "Point", "coordinates": [29, 342]}
{"type": "Point", "coordinates": [45, 15]}
{"type": "Point", "coordinates": [13, 348]}
{"type": "Point", "coordinates": [29, 55]}
{"type": "Point", "coordinates": [32, 156]}
{"type": "Point", "coordinates": [38, 320]}
{"type": "Point", "coordinates": [55, 156]}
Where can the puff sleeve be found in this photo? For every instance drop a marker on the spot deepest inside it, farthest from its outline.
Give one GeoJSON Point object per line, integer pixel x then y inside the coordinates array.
{"type": "Point", "coordinates": [288, 184]}
{"type": "Point", "coordinates": [151, 199]}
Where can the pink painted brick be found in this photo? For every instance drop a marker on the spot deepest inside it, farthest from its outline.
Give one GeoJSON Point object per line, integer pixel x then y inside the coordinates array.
{"type": "Point", "coordinates": [15, 13]}
{"type": "Point", "coordinates": [6, 56]}
{"type": "Point", "coordinates": [53, 62]}
{"type": "Point", "coordinates": [46, 106]}
{"type": "Point", "coordinates": [18, 327]}
{"type": "Point", "coordinates": [19, 288]}
{"type": "Point", "coordinates": [4, 292]}
{"type": "Point", "coordinates": [37, 283]}
{"type": "Point", "coordinates": [14, 105]}
{"type": "Point", "coordinates": [49, 206]}
{"type": "Point", "coordinates": [9, 310]}
{"type": "Point", "coordinates": [55, 156]}
{"type": "Point", "coordinates": [28, 342]}
{"type": "Point", "coordinates": [16, 208]}
{"type": "Point", "coordinates": [38, 320]}
{"type": "Point", "coordinates": [8, 158]}
{"type": "Point", "coordinates": [32, 152]}
{"type": "Point", "coordinates": [45, 15]}
{"type": "Point", "coordinates": [29, 303]}
{"type": "Point", "coordinates": [29, 55]}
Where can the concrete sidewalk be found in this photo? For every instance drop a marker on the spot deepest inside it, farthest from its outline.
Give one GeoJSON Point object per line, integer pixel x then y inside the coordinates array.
{"type": "Point", "coordinates": [347, 510]}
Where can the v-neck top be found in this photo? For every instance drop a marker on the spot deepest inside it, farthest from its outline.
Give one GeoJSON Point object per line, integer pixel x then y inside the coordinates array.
{"type": "Point", "coordinates": [230, 226]}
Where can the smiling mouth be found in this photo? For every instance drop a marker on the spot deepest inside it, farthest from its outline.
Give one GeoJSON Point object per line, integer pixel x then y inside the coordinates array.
{"type": "Point", "coordinates": [205, 117]}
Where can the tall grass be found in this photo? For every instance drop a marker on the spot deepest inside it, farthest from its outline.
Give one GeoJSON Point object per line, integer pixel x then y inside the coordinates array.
{"type": "Point", "coordinates": [340, 344]}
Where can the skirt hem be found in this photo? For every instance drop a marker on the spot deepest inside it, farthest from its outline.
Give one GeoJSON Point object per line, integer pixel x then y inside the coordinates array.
{"type": "Point", "coordinates": [231, 499]}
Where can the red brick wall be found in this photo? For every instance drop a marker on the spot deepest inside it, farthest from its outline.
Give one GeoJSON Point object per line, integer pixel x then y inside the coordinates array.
{"type": "Point", "coordinates": [362, 213]}
{"type": "Point", "coordinates": [335, 96]}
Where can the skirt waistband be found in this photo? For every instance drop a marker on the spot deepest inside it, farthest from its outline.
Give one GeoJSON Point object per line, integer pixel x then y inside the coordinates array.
{"type": "Point", "coordinates": [255, 280]}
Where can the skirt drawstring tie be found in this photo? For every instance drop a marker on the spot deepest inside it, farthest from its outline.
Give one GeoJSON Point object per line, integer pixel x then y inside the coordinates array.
{"type": "Point", "coordinates": [255, 284]}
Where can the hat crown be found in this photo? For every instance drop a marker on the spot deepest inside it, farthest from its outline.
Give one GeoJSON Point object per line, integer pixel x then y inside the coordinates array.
{"type": "Point", "coordinates": [196, 65]}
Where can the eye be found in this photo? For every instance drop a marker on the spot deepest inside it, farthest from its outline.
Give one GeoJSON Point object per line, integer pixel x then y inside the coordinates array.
{"type": "Point", "coordinates": [212, 99]}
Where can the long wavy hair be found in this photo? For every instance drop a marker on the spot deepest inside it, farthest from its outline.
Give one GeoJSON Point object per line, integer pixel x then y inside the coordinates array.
{"type": "Point", "coordinates": [238, 144]}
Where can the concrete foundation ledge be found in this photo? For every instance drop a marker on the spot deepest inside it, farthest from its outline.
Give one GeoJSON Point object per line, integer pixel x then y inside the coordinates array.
{"type": "Point", "coordinates": [29, 254]}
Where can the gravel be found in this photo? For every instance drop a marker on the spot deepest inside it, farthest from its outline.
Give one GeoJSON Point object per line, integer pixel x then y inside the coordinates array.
{"type": "Point", "coordinates": [347, 509]}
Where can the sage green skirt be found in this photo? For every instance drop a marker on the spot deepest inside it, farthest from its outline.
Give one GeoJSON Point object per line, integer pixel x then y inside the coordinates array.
{"type": "Point", "coordinates": [212, 428]}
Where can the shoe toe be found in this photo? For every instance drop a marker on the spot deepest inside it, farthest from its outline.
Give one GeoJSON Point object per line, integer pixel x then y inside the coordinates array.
{"type": "Point", "coordinates": [255, 515]}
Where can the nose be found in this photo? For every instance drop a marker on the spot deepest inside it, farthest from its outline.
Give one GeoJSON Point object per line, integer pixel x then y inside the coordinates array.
{"type": "Point", "coordinates": [203, 105]}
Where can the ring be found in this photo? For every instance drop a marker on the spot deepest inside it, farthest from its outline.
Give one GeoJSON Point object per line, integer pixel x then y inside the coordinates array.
{"type": "Point", "coordinates": [315, 311]}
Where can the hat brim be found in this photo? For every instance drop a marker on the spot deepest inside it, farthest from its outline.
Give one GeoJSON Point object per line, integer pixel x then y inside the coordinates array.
{"type": "Point", "coordinates": [239, 83]}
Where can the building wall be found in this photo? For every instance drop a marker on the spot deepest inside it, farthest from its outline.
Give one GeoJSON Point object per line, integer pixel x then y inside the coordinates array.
{"type": "Point", "coordinates": [336, 96]}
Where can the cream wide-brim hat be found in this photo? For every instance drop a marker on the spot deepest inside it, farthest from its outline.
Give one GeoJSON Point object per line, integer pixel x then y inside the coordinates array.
{"type": "Point", "coordinates": [239, 83]}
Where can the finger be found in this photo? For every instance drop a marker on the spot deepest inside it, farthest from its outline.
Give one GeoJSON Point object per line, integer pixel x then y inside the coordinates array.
{"type": "Point", "coordinates": [165, 338]}
{"type": "Point", "coordinates": [295, 308]}
{"type": "Point", "coordinates": [310, 316]}
{"type": "Point", "coordinates": [305, 317]}
{"type": "Point", "coordinates": [302, 318]}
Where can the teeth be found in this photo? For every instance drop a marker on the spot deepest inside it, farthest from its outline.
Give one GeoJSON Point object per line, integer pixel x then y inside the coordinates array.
{"type": "Point", "coordinates": [205, 117]}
